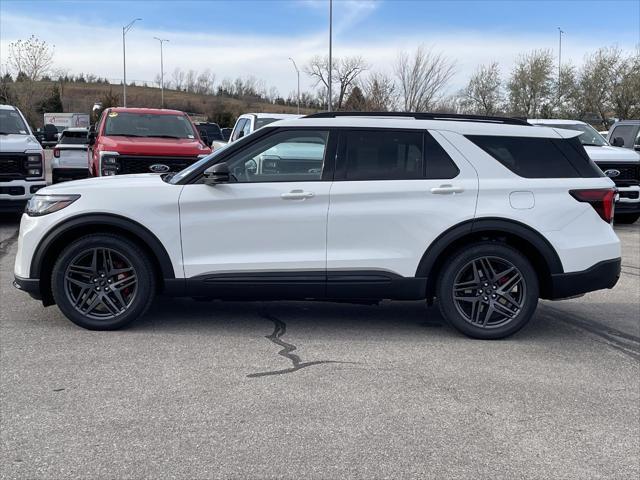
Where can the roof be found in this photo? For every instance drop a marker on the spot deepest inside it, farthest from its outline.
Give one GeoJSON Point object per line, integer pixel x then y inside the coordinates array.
{"type": "Point", "coordinates": [554, 121]}
{"type": "Point", "coordinates": [153, 111]}
{"type": "Point", "coordinates": [76, 129]}
{"type": "Point", "coordinates": [461, 127]}
{"type": "Point", "coordinates": [7, 107]}
{"type": "Point", "coordinates": [273, 115]}
{"type": "Point", "coordinates": [628, 122]}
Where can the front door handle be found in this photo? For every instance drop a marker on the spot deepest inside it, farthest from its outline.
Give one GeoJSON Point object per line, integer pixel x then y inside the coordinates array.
{"type": "Point", "coordinates": [447, 190]}
{"type": "Point", "coordinates": [297, 195]}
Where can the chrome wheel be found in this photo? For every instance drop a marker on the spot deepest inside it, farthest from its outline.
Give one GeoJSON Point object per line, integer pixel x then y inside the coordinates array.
{"type": "Point", "coordinates": [100, 283]}
{"type": "Point", "coordinates": [489, 292]}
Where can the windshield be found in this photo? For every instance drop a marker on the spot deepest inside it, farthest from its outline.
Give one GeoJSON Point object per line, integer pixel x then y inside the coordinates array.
{"type": "Point", "coordinates": [148, 125]}
{"type": "Point", "coordinates": [11, 123]}
{"type": "Point", "coordinates": [73, 138]}
{"type": "Point", "coordinates": [589, 137]}
{"type": "Point", "coordinates": [261, 122]}
{"type": "Point", "coordinates": [193, 167]}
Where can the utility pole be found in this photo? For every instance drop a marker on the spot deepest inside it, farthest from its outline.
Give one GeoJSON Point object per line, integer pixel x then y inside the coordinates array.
{"type": "Point", "coordinates": [298, 72]}
{"type": "Point", "coordinates": [125, 29]}
{"type": "Point", "coordinates": [161, 40]}
{"type": "Point", "coordinates": [330, 52]}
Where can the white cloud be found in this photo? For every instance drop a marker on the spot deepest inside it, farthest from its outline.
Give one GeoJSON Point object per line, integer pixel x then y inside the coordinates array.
{"type": "Point", "coordinates": [98, 50]}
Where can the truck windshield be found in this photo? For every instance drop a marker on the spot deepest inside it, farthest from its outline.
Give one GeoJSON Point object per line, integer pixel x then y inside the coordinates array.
{"type": "Point", "coordinates": [11, 123]}
{"type": "Point", "coordinates": [148, 125]}
{"type": "Point", "coordinates": [589, 136]}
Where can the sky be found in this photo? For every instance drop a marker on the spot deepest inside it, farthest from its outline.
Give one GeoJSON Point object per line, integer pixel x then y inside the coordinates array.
{"type": "Point", "coordinates": [257, 37]}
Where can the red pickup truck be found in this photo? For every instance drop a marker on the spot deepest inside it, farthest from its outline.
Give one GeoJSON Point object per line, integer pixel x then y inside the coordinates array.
{"type": "Point", "coordinates": [143, 140]}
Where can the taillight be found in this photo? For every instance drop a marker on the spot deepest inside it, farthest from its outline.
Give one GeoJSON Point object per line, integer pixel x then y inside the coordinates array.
{"type": "Point", "coordinates": [56, 152]}
{"type": "Point", "coordinates": [601, 199]}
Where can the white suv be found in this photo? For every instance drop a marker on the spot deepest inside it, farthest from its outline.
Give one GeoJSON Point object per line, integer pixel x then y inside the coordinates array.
{"type": "Point", "coordinates": [484, 214]}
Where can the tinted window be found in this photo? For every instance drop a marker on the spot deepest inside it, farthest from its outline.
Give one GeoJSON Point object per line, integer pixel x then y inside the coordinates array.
{"type": "Point", "coordinates": [532, 157]}
{"type": "Point", "coordinates": [382, 155]}
{"type": "Point", "coordinates": [261, 122]}
{"type": "Point", "coordinates": [588, 136]}
{"type": "Point", "coordinates": [439, 163]}
{"type": "Point", "coordinates": [73, 138]}
{"type": "Point", "coordinates": [625, 132]}
{"type": "Point", "coordinates": [238, 128]}
{"type": "Point", "coordinates": [282, 157]}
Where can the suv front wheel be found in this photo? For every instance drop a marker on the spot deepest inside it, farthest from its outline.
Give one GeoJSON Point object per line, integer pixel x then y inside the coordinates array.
{"type": "Point", "coordinates": [103, 282]}
{"type": "Point", "coordinates": [488, 290]}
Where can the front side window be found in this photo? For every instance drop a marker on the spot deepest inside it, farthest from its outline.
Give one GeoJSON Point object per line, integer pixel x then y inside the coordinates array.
{"type": "Point", "coordinates": [11, 123]}
{"type": "Point", "coordinates": [239, 127]}
{"type": "Point", "coordinates": [286, 156]}
{"type": "Point", "coordinates": [625, 132]}
{"type": "Point", "coordinates": [148, 125]}
{"type": "Point", "coordinates": [382, 155]}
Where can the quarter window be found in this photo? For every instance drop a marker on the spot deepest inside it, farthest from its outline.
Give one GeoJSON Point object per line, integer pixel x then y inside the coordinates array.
{"type": "Point", "coordinates": [383, 155]}
{"type": "Point", "coordinates": [287, 156]}
{"type": "Point", "coordinates": [439, 163]}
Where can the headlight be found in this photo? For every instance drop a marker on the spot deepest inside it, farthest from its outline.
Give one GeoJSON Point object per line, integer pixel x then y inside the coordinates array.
{"type": "Point", "coordinates": [39, 205]}
{"type": "Point", "coordinates": [33, 165]}
{"type": "Point", "coordinates": [109, 164]}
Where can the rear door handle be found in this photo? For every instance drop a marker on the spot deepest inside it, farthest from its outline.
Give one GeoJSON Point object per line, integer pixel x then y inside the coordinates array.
{"type": "Point", "coordinates": [297, 195]}
{"type": "Point", "coordinates": [446, 190]}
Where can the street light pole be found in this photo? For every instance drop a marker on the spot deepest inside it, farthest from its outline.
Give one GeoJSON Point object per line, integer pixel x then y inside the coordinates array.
{"type": "Point", "coordinates": [298, 72]}
{"type": "Point", "coordinates": [330, 52]}
{"type": "Point", "coordinates": [125, 29]}
{"type": "Point", "coordinates": [560, 33]}
{"type": "Point", "coordinates": [161, 40]}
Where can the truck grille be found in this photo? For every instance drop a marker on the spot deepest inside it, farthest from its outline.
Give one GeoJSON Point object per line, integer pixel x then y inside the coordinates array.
{"type": "Point", "coordinates": [12, 166]}
{"type": "Point", "coordinates": [136, 164]}
{"type": "Point", "coordinates": [629, 174]}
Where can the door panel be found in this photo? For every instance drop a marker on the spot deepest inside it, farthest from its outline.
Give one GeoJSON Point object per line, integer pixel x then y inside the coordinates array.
{"type": "Point", "coordinates": [388, 224]}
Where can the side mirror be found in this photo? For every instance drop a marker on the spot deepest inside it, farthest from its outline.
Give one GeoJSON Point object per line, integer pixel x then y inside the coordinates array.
{"type": "Point", "coordinates": [618, 142]}
{"type": "Point", "coordinates": [205, 139]}
{"type": "Point", "coordinates": [240, 134]}
{"type": "Point", "coordinates": [218, 173]}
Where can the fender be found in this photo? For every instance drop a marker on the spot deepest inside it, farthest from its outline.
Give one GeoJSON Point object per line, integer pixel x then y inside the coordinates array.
{"type": "Point", "coordinates": [108, 219]}
{"type": "Point", "coordinates": [479, 225]}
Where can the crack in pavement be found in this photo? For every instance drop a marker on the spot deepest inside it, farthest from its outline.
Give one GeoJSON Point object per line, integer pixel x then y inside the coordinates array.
{"type": "Point", "coordinates": [280, 328]}
{"type": "Point", "coordinates": [7, 243]}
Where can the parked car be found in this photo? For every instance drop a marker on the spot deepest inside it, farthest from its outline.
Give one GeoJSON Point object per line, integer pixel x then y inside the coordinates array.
{"type": "Point", "coordinates": [70, 161]}
{"type": "Point", "coordinates": [143, 140]}
{"type": "Point", "coordinates": [484, 214]}
{"type": "Point", "coordinates": [21, 161]}
{"type": "Point", "coordinates": [623, 166]}
{"type": "Point", "coordinates": [47, 136]}
{"type": "Point", "coordinates": [249, 122]}
{"type": "Point", "coordinates": [209, 132]}
{"type": "Point", "coordinates": [625, 133]}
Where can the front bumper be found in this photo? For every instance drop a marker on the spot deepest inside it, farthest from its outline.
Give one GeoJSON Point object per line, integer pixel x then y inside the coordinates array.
{"type": "Point", "coordinates": [629, 199]}
{"type": "Point", "coordinates": [15, 193]}
{"type": "Point", "coordinates": [602, 275]}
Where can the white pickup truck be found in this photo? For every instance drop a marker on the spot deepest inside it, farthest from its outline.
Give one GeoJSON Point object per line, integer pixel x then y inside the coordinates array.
{"type": "Point", "coordinates": [250, 122]}
{"type": "Point", "coordinates": [21, 161]}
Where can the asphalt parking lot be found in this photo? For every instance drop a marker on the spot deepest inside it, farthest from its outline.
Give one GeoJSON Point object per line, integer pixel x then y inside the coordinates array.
{"type": "Point", "coordinates": [321, 390]}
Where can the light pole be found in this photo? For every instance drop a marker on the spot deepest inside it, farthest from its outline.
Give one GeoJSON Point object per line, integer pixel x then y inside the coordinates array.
{"type": "Point", "coordinates": [298, 72]}
{"type": "Point", "coordinates": [161, 40]}
{"type": "Point", "coordinates": [330, 53]}
{"type": "Point", "coordinates": [560, 33]}
{"type": "Point", "coordinates": [125, 29]}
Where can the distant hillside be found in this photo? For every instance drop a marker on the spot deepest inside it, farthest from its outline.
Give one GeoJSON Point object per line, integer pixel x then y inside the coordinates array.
{"type": "Point", "coordinates": [81, 96]}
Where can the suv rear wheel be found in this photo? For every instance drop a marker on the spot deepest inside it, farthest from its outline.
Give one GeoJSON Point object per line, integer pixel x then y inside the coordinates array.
{"type": "Point", "coordinates": [103, 282]}
{"type": "Point", "coordinates": [488, 290]}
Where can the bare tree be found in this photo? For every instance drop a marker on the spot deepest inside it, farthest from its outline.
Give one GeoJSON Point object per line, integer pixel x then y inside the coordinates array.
{"type": "Point", "coordinates": [33, 57]}
{"type": "Point", "coordinates": [422, 77]}
{"type": "Point", "coordinates": [204, 82]}
{"type": "Point", "coordinates": [190, 81]}
{"type": "Point", "coordinates": [380, 92]}
{"type": "Point", "coordinates": [177, 79]}
{"type": "Point", "coordinates": [483, 94]}
{"type": "Point", "coordinates": [345, 73]}
{"type": "Point", "coordinates": [531, 86]}
{"type": "Point", "coordinates": [625, 94]}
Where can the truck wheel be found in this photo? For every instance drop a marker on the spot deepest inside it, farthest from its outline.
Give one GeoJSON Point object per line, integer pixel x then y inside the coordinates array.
{"type": "Point", "coordinates": [488, 290]}
{"type": "Point", "coordinates": [626, 218]}
{"type": "Point", "coordinates": [103, 282]}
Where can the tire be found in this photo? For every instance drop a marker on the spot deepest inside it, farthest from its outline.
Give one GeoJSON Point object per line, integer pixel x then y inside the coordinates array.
{"type": "Point", "coordinates": [626, 218]}
{"type": "Point", "coordinates": [507, 301]}
{"type": "Point", "coordinates": [103, 282]}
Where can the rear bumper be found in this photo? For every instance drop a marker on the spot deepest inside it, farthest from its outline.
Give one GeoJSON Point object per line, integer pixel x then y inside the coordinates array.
{"type": "Point", "coordinates": [29, 285]}
{"type": "Point", "coordinates": [602, 275]}
{"type": "Point", "coordinates": [61, 174]}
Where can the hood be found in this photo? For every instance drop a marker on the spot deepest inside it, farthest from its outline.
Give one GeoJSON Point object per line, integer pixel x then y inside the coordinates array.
{"type": "Point", "coordinates": [13, 143]}
{"type": "Point", "coordinates": [612, 154]}
{"type": "Point", "coordinates": [116, 181]}
{"type": "Point", "coordinates": [182, 147]}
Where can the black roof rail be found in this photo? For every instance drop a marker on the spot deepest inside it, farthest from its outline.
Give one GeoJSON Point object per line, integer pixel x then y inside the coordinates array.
{"type": "Point", "coordinates": [425, 116]}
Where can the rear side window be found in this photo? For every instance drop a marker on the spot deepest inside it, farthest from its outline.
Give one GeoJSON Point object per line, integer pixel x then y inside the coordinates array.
{"type": "Point", "coordinates": [439, 163]}
{"type": "Point", "coordinates": [382, 155]}
{"type": "Point", "coordinates": [532, 157]}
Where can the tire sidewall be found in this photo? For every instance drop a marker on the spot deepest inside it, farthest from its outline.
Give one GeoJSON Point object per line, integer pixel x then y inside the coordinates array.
{"type": "Point", "coordinates": [140, 263]}
{"type": "Point", "coordinates": [462, 258]}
